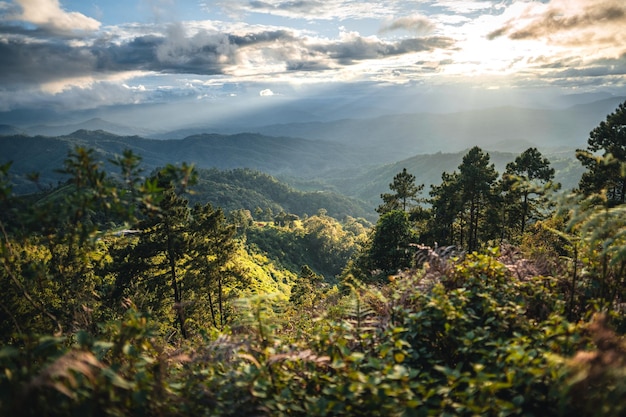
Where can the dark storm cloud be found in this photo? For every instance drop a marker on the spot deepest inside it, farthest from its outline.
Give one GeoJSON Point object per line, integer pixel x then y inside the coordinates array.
{"type": "Point", "coordinates": [310, 65]}
{"type": "Point", "coordinates": [16, 30]}
{"type": "Point", "coordinates": [556, 20]}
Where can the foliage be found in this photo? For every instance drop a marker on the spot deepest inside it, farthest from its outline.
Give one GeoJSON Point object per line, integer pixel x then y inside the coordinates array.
{"type": "Point", "coordinates": [389, 249]}
{"type": "Point", "coordinates": [597, 234]}
{"type": "Point", "coordinates": [247, 189]}
{"type": "Point", "coordinates": [604, 171]}
{"type": "Point", "coordinates": [466, 203]}
{"type": "Point", "coordinates": [524, 181]}
{"type": "Point", "coordinates": [320, 241]}
{"type": "Point", "coordinates": [101, 275]}
{"type": "Point", "coordinates": [405, 193]}
{"type": "Point", "coordinates": [479, 342]}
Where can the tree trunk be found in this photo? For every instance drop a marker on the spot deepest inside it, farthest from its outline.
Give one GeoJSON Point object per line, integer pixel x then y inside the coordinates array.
{"type": "Point", "coordinates": [524, 213]}
{"type": "Point", "coordinates": [212, 308]}
{"type": "Point", "coordinates": [219, 298]}
{"type": "Point", "coordinates": [178, 305]}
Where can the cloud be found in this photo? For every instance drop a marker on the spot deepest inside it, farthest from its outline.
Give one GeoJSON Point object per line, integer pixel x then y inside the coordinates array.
{"type": "Point", "coordinates": [600, 68]}
{"type": "Point", "coordinates": [161, 10]}
{"type": "Point", "coordinates": [88, 96]}
{"type": "Point", "coordinates": [27, 62]}
{"type": "Point", "coordinates": [178, 49]}
{"type": "Point", "coordinates": [49, 15]}
{"type": "Point", "coordinates": [202, 53]}
{"type": "Point", "coordinates": [317, 9]}
{"type": "Point", "coordinates": [417, 24]}
{"type": "Point", "coordinates": [467, 6]}
{"type": "Point", "coordinates": [559, 16]}
{"type": "Point", "coordinates": [302, 6]}
{"type": "Point", "coordinates": [266, 92]}
{"type": "Point", "coordinates": [353, 47]}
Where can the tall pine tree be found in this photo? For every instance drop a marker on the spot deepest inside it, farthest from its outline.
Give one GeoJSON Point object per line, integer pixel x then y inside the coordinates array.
{"type": "Point", "coordinates": [605, 157]}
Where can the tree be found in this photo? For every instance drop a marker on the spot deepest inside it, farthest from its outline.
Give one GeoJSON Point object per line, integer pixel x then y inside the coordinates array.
{"type": "Point", "coordinates": [327, 244]}
{"type": "Point", "coordinates": [390, 246]}
{"type": "Point", "coordinates": [154, 261]}
{"type": "Point", "coordinates": [405, 196]}
{"type": "Point", "coordinates": [476, 179]}
{"type": "Point", "coordinates": [523, 178]}
{"type": "Point", "coordinates": [303, 290]}
{"type": "Point", "coordinates": [446, 204]}
{"type": "Point", "coordinates": [604, 158]}
{"type": "Point", "coordinates": [166, 237]}
{"type": "Point", "coordinates": [53, 249]}
{"type": "Point", "coordinates": [212, 247]}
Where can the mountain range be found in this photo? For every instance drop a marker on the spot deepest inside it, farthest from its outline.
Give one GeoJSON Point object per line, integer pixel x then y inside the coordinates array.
{"type": "Point", "coordinates": [389, 137]}
{"type": "Point", "coordinates": [356, 172]}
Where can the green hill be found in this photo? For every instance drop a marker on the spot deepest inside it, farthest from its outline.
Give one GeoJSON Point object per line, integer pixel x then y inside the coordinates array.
{"type": "Point", "coordinates": [284, 156]}
{"type": "Point", "coordinates": [368, 183]}
{"type": "Point", "coordinates": [326, 170]}
{"type": "Point", "coordinates": [248, 189]}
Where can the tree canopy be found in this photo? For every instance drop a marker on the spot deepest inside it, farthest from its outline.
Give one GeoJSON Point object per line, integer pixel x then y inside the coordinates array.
{"type": "Point", "coordinates": [605, 157]}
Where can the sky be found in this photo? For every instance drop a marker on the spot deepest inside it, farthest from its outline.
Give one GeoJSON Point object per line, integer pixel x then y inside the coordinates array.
{"type": "Point", "coordinates": [77, 55]}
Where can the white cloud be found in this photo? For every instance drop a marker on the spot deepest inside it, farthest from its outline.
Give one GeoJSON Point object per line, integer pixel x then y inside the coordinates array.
{"type": "Point", "coordinates": [266, 92]}
{"type": "Point", "coordinates": [319, 9]}
{"type": "Point", "coordinates": [48, 14]}
{"type": "Point", "coordinates": [465, 6]}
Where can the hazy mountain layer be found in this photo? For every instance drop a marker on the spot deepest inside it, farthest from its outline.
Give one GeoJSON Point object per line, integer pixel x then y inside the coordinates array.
{"type": "Point", "coordinates": [508, 129]}
{"type": "Point", "coordinates": [285, 156]}
{"type": "Point", "coordinates": [352, 171]}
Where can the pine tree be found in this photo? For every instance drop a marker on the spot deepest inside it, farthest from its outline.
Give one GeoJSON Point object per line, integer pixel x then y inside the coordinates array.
{"type": "Point", "coordinates": [390, 245]}
{"type": "Point", "coordinates": [154, 261]}
{"type": "Point", "coordinates": [604, 158]}
{"type": "Point", "coordinates": [523, 179]}
{"type": "Point", "coordinates": [446, 205]}
{"type": "Point", "coordinates": [476, 180]}
{"type": "Point", "coordinates": [212, 246]}
{"type": "Point", "coordinates": [405, 196]}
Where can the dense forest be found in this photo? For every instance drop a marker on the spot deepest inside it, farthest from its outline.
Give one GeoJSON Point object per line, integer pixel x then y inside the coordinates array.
{"type": "Point", "coordinates": [184, 291]}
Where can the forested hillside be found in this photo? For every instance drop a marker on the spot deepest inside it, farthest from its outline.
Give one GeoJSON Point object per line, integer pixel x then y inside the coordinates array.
{"type": "Point", "coordinates": [273, 155]}
{"type": "Point", "coordinates": [252, 190]}
{"type": "Point", "coordinates": [367, 183]}
{"type": "Point", "coordinates": [182, 291]}
{"type": "Point", "coordinates": [307, 165]}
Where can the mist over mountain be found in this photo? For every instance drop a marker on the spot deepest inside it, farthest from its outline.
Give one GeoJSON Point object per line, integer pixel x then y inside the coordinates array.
{"type": "Point", "coordinates": [501, 128]}
{"type": "Point", "coordinates": [344, 114]}
{"type": "Point", "coordinates": [10, 130]}
{"type": "Point", "coordinates": [394, 136]}
{"type": "Point", "coordinates": [355, 156]}
{"type": "Point", "coordinates": [94, 124]}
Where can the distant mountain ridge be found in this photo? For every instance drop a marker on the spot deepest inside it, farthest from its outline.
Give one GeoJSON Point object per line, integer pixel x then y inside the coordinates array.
{"type": "Point", "coordinates": [394, 136]}
{"type": "Point", "coordinates": [494, 128]}
{"type": "Point", "coordinates": [353, 171]}
{"type": "Point", "coordinates": [506, 128]}
{"type": "Point", "coordinates": [276, 156]}
{"type": "Point", "coordinates": [10, 130]}
{"type": "Point", "coordinates": [94, 124]}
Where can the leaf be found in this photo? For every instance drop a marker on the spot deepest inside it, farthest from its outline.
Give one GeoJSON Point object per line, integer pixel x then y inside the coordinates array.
{"type": "Point", "coordinates": [8, 352]}
{"type": "Point", "coordinates": [399, 357]}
